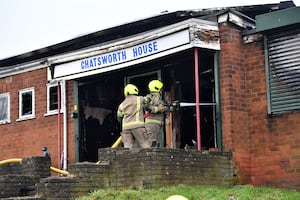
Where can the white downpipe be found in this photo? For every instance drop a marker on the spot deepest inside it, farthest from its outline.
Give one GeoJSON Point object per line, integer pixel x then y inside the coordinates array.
{"type": "Point", "coordinates": [65, 148]}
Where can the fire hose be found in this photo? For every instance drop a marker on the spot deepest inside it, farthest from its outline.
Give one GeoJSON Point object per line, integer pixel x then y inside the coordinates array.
{"type": "Point", "coordinates": [117, 142]}
{"type": "Point", "coordinates": [174, 104]}
{"type": "Point", "coordinates": [18, 160]}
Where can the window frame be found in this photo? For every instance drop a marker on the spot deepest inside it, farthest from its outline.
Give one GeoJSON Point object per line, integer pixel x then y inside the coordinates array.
{"type": "Point", "coordinates": [277, 104]}
{"type": "Point", "coordinates": [7, 120]}
{"type": "Point", "coordinates": [26, 116]}
{"type": "Point", "coordinates": [62, 90]}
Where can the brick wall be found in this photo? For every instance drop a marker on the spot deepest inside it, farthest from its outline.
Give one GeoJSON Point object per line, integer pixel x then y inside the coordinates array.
{"type": "Point", "coordinates": [141, 168]}
{"type": "Point", "coordinates": [234, 99]}
{"type": "Point", "coordinates": [26, 138]}
{"type": "Point", "coordinates": [19, 179]}
{"type": "Point", "coordinates": [157, 167]}
{"type": "Point", "coordinates": [274, 140]}
{"type": "Point", "coordinates": [265, 149]}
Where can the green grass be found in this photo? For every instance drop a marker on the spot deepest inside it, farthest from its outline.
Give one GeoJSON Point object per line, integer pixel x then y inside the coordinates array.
{"type": "Point", "coordinates": [246, 192]}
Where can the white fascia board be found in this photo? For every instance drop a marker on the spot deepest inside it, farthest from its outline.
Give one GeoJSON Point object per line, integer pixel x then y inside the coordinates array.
{"type": "Point", "coordinates": [235, 19]}
{"type": "Point", "coordinates": [22, 68]}
{"type": "Point", "coordinates": [115, 45]}
{"type": "Point", "coordinates": [205, 36]}
{"type": "Point", "coordinates": [129, 41]}
{"type": "Point", "coordinates": [167, 40]}
{"type": "Point", "coordinates": [123, 65]}
{"type": "Point", "coordinates": [130, 54]}
{"type": "Point", "coordinates": [223, 18]}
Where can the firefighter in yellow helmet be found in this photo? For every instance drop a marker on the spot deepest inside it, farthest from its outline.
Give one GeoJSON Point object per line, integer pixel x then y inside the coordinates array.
{"type": "Point", "coordinates": [156, 108]}
{"type": "Point", "coordinates": [130, 112]}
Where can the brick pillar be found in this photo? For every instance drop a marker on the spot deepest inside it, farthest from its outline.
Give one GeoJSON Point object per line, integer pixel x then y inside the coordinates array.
{"type": "Point", "coordinates": [234, 98]}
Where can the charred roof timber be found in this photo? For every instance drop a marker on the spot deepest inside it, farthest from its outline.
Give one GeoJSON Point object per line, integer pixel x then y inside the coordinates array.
{"type": "Point", "coordinates": [137, 27]}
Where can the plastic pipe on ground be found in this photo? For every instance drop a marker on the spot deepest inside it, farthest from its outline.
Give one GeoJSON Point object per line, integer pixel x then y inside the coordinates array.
{"type": "Point", "coordinates": [14, 160]}
{"type": "Point", "coordinates": [117, 142]}
{"type": "Point", "coordinates": [59, 170]}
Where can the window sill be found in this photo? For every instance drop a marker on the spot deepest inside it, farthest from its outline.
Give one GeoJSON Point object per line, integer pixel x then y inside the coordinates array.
{"type": "Point", "coordinates": [26, 118]}
{"type": "Point", "coordinates": [5, 122]}
{"type": "Point", "coordinates": [52, 113]}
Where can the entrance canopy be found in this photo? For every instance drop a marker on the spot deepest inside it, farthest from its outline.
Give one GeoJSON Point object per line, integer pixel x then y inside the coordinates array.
{"type": "Point", "coordinates": [135, 49]}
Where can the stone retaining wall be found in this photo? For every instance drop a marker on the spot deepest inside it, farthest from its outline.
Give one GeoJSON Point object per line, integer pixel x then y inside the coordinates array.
{"type": "Point", "coordinates": [120, 169]}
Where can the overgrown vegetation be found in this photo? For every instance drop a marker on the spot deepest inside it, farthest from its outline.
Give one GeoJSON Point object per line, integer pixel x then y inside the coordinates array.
{"type": "Point", "coordinates": [239, 192]}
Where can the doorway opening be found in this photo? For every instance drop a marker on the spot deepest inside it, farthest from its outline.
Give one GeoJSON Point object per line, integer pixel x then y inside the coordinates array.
{"type": "Point", "coordinates": [142, 80]}
{"type": "Point", "coordinates": [99, 97]}
{"type": "Point", "coordinates": [98, 126]}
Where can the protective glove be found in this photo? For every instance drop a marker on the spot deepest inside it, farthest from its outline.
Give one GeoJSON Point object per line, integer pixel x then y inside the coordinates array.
{"type": "Point", "coordinates": [147, 109]}
{"type": "Point", "coordinates": [171, 108]}
{"type": "Point", "coordinates": [175, 104]}
{"type": "Point", "coordinates": [162, 108]}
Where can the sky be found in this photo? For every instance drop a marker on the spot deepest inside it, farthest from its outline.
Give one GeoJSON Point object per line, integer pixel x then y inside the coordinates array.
{"type": "Point", "coordinates": [27, 25]}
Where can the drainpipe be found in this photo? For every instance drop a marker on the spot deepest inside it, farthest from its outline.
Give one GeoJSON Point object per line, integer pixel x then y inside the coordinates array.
{"type": "Point", "coordinates": [218, 101]}
{"type": "Point", "coordinates": [65, 151]}
{"type": "Point", "coordinates": [58, 125]}
{"type": "Point", "coordinates": [197, 91]}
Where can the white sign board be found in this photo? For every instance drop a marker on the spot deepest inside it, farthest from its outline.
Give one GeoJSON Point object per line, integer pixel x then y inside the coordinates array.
{"type": "Point", "coordinates": [123, 55]}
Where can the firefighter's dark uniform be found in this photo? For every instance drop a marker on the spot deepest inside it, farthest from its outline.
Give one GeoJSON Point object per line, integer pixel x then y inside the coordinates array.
{"type": "Point", "coordinates": [133, 125]}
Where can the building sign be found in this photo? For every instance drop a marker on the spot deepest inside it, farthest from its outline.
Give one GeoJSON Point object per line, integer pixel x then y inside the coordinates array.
{"type": "Point", "coordinates": [123, 55]}
{"type": "Point", "coordinates": [178, 37]}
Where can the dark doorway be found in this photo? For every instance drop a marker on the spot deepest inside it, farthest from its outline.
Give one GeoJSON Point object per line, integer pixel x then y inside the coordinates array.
{"type": "Point", "coordinates": [182, 78]}
{"type": "Point", "coordinates": [99, 97]}
{"type": "Point", "coordinates": [98, 101]}
{"type": "Point", "coordinates": [142, 80]}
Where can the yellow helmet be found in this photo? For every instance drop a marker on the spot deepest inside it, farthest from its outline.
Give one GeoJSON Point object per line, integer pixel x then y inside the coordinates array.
{"type": "Point", "coordinates": [130, 89]}
{"type": "Point", "coordinates": [155, 86]}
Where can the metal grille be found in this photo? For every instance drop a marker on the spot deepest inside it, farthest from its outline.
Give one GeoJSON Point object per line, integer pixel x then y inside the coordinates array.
{"type": "Point", "coordinates": [284, 71]}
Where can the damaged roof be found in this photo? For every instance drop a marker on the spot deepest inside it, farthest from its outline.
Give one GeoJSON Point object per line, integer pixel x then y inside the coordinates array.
{"type": "Point", "coordinates": [137, 27]}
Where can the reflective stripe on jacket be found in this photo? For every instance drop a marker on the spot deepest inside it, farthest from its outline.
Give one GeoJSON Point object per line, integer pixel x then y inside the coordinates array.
{"type": "Point", "coordinates": [156, 116]}
{"type": "Point", "coordinates": [131, 110]}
